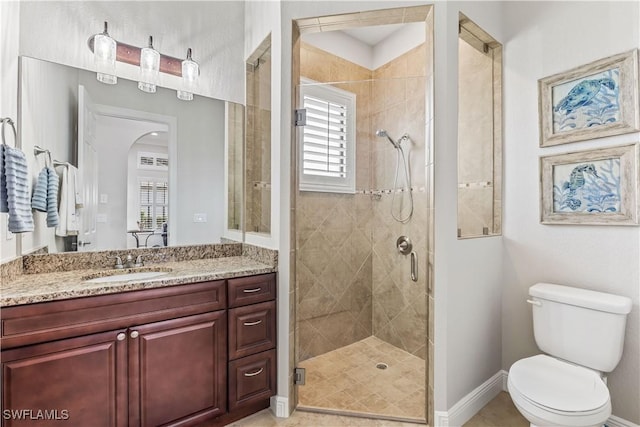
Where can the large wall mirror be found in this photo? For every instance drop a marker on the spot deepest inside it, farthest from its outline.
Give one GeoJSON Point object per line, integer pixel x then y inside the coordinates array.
{"type": "Point", "coordinates": [152, 169]}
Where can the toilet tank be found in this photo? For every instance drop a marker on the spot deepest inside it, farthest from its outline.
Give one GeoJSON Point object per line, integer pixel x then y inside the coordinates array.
{"type": "Point", "coordinates": [578, 325]}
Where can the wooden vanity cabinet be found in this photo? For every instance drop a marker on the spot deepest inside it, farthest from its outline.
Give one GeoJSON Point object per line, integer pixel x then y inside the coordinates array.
{"type": "Point", "coordinates": [178, 370]}
{"type": "Point", "coordinates": [142, 358]}
{"type": "Point", "coordinates": [82, 380]}
{"type": "Point", "coordinates": [252, 340]}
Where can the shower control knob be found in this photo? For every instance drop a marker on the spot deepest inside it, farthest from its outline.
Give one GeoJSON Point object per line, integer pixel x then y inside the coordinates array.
{"type": "Point", "coordinates": [404, 245]}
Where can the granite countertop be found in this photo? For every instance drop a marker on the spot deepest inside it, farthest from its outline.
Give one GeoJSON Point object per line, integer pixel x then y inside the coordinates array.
{"type": "Point", "coordinates": [42, 287]}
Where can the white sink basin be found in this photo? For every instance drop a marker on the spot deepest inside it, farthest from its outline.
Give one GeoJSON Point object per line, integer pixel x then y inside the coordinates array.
{"type": "Point", "coordinates": [128, 276]}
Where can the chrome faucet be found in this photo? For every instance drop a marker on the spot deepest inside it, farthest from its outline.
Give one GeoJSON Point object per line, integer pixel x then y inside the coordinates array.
{"type": "Point", "coordinates": [118, 265]}
{"type": "Point", "coordinates": [129, 263]}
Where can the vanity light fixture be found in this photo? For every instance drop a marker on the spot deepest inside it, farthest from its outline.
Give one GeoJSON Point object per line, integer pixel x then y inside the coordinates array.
{"type": "Point", "coordinates": [149, 68]}
{"type": "Point", "coordinates": [104, 56]}
{"type": "Point", "coordinates": [190, 72]}
{"type": "Point", "coordinates": [107, 51]}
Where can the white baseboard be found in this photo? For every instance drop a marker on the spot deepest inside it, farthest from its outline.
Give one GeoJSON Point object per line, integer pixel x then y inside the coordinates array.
{"type": "Point", "coordinates": [614, 421]}
{"type": "Point", "coordinates": [280, 406]}
{"type": "Point", "coordinates": [469, 405]}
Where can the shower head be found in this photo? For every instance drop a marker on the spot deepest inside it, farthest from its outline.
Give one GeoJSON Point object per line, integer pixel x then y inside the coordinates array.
{"type": "Point", "coordinates": [383, 133]}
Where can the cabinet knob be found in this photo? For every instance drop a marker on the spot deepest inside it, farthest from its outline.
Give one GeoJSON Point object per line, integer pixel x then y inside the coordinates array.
{"type": "Point", "coordinates": [121, 336]}
{"type": "Point", "coordinates": [134, 334]}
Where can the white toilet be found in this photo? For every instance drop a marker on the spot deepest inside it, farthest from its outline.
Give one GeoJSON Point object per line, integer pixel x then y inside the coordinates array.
{"type": "Point", "coordinates": [582, 334]}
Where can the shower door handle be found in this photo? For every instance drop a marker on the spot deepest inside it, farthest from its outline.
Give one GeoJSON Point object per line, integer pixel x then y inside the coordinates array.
{"type": "Point", "coordinates": [414, 266]}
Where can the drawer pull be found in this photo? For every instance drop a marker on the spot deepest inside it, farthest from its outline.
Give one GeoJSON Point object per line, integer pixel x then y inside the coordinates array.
{"type": "Point", "coordinates": [257, 322]}
{"type": "Point", "coordinates": [250, 291]}
{"type": "Point", "coordinates": [253, 374]}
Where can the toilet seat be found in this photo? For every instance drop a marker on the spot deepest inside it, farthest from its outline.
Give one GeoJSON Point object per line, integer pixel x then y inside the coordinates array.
{"type": "Point", "coordinates": [555, 392]}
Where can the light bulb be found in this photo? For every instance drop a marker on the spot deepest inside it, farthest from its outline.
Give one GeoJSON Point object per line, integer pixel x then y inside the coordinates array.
{"type": "Point", "coordinates": [104, 56]}
{"type": "Point", "coordinates": [190, 72]}
{"type": "Point", "coordinates": [149, 68]}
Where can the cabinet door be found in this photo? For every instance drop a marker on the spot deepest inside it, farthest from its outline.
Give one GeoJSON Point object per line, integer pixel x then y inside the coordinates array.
{"type": "Point", "coordinates": [82, 380]}
{"type": "Point", "coordinates": [178, 370]}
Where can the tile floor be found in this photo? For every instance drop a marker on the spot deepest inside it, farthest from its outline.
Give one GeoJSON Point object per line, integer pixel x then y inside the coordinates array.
{"type": "Point", "coordinates": [500, 412]}
{"type": "Point", "coordinates": [347, 380]}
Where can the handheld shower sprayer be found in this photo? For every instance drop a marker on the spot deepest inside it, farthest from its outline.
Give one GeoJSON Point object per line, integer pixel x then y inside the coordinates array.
{"type": "Point", "coordinates": [400, 155]}
{"type": "Point", "coordinates": [383, 133]}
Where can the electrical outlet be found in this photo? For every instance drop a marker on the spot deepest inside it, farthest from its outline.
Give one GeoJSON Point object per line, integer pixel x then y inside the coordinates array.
{"type": "Point", "coordinates": [200, 217]}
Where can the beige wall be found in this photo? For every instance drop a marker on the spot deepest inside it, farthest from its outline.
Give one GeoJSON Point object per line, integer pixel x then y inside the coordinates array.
{"type": "Point", "coordinates": [475, 141]}
{"type": "Point", "coordinates": [333, 239]}
{"type": "Point", "coordinates": [258, 145]}
{"type": "Point", "coordinates": [235, 157]}
{"type": "Point", "coordinates": [398, 106]}
{"type": "Point", "coordinates": [352, 282]}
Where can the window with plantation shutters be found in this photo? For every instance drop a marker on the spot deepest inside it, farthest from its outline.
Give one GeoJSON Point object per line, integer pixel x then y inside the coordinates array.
{"type": "Point", "coordinates": [153, 161]}
{"type": "Point", "coordinates": [327, 140]}
{"type": "Point", "coordinates": [154, 204]}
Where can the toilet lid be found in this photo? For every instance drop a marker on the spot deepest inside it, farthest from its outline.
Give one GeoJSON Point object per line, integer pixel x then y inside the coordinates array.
{"type": "Point", "coordinates": [558, 385]}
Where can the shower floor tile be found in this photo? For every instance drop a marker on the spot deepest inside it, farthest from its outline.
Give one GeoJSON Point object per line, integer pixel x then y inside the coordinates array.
{"type": "Point", "coordinates": [347, 380]}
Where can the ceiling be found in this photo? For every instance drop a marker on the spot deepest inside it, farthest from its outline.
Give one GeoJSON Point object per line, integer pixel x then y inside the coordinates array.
{"type": "Point", "coordinates": [372, 35]}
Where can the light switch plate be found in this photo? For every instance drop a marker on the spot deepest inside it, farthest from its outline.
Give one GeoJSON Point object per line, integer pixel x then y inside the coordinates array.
{"type": "Point", "coordinates": [101, 218]}
{"type": "Point", "coordinates": [200, 217]}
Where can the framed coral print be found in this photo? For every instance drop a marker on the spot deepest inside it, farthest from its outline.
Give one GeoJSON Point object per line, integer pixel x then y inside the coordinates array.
{"type": "Point", "coordinates": [592, 101]}
{"type": "Point", "coordinates": [591, 187]}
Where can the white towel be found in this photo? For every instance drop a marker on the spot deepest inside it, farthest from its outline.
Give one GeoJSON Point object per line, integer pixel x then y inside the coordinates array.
{"type": "Point", "coordinates": [14, 189]}
{"type": "Point", "coordinates": [78, 186]}
{"type": "Point", "coordinates": [69, 217]}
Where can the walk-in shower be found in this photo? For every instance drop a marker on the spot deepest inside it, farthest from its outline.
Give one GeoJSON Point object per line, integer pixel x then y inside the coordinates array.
{"type": "Point", "coordinates": [406, 188]}
{"type": "Point", "coordinates": [358, 309]}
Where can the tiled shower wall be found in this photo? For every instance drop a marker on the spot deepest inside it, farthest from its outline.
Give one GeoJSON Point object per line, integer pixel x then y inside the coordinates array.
{"type": "Point", "coordinates": [398, 106]}
{"type": "Point", "coordinates": [351, 280]}
{"type": "Point", "coordinates": [258, 145]}
{"type": "Point", "coordinates": [334, 263]}
{"type": "Point", "coordinates": [475, 142]}
{"type": "Point", "coordinates": [235, 139]}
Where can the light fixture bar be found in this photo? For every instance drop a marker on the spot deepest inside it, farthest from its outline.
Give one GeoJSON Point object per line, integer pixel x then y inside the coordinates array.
{"type": "Point", "coordinates": [131, 55]}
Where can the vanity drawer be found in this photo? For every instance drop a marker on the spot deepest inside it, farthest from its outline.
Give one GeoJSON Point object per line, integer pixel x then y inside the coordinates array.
{"type": "Point", "coordinates": [252, 289]}
{"type": "Point", "coordinates": [252, 378]}
{"type": "Point", "coordinates": [34, 323]}
{"type": "Point", "coordinates": [252, 329]}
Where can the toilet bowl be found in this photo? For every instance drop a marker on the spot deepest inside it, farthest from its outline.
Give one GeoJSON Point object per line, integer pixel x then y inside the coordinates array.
{"type": "Point", "coordinates": [552, 392]}
{"type": "Point", "coordinates": [582, 334]}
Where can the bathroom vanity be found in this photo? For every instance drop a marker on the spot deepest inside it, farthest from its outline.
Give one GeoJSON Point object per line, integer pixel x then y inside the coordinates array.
{"type": "Point", "coordinates": [165, 353]}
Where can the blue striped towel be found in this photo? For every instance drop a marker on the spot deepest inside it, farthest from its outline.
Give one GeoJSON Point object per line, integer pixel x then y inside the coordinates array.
{"type": "Point", "coordinates": [45, 195]}
{"type": "Point", "coordinates": [39, 198]}
{"type": "Point", "coordinates": [52, 198]}
{"type": "Point", "coordinates": [14, 189]}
